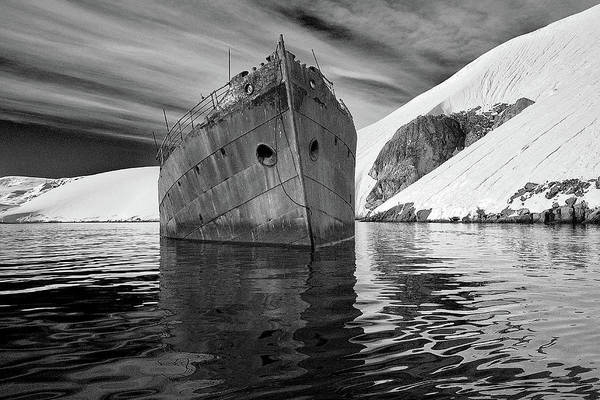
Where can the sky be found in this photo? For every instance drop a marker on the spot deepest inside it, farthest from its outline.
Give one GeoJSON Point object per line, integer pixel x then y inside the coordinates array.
{"type": "Point", "coordinates": [86, 80]}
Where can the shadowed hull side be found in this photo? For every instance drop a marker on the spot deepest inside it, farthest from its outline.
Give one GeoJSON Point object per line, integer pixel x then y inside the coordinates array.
{"type": "Point", "coordinates": [328, 176]}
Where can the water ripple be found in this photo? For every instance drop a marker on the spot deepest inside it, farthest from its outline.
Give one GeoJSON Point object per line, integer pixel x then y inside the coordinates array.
{"type": "Point", "coordinates": [410, 311]}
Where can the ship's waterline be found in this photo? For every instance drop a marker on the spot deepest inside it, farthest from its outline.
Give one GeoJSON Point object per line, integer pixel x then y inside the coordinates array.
{"type": "Point", "coordinates": [268, 158]}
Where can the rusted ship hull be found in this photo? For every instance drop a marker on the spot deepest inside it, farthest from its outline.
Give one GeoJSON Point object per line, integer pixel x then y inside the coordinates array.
{"type": "Point", "coordinates": [271, 163]}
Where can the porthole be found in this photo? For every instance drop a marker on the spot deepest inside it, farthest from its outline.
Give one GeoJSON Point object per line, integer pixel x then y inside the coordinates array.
{"type": "Point", "coordinates": [335, 140]}
{"type": "Point", "coordinates": [222, 151]}
{"type": "Point", "coordinates": [312, 84]}
{"type": "Point", "coordinates": [266, 155]}
{"type": "Point", "coordinates": [197, 169]}
{"type": "Point", "coordinates": [249, 88]}
{"type": "Point", "coordinates": [314, 149]}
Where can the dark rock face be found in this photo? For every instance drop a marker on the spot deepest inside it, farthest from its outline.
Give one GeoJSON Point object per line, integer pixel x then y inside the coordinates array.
{"type": "Point", "coordinates": [416, 149]}
{"type": "Point", "coordinates": [511, 111]}
{"type": "Point", "coordinates": [420, 146]}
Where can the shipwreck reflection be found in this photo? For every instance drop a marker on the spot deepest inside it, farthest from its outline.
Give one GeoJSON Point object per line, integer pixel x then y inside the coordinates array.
{"type": "Point", "coordinates": [267, 317]}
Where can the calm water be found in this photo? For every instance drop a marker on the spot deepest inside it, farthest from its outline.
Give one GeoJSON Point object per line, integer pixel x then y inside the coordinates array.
{"type": "Point", "coordinates": [410, 311]}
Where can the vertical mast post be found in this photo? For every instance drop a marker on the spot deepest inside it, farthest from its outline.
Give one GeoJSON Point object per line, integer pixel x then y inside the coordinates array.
{"type": "Point", "coordinates": [166, 122]}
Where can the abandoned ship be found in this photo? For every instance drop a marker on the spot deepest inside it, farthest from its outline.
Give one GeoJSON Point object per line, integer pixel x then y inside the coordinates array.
{"type": "Point", "coordinates": [268, 158]}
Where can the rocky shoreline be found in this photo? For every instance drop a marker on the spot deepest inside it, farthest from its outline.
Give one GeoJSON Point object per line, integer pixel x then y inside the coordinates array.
{"type": "Point", "coordinates": [559, 215]}
{"type": "Point", "coordinates": [573, 210]}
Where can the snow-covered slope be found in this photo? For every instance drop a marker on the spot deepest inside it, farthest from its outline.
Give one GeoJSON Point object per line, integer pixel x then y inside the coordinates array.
{"type": "Point", "coordinates": [556, 138]}
{"type": "Point", "coordinates": [123, 195]}
{"type": "Point", "coordinates": [15, 190]}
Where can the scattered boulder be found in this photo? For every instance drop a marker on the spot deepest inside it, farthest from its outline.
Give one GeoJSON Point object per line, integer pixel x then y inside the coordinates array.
{"type": "Point", "coordinates": [580, 211]}
{"type": "Point", "coordinates": [529, 186]}
{"type": "Point", "coordinates": [547, 216]}
{"type": "Point", "coordinates": [570, 201]}
{"type": "Point", "coordinates": [422, 215]}
{"type": "Point", "coordinates": [593, 217]}
{"type": "Point", "coordinates": [526, 218]}
{"type": "Point", "coordinates": [408, 214]}
{"type": "Point", "coordinates": [492, 217]}
{"type": "Point", "coordinates": [564, 214]}
{"type": "Point", "coordinates": [481, 216]}
{"type": "Point", "coordinates": [520, 194]}
{"type": "Point", "coordinates": [575, 187]}
{"type": "Point", "coordinates": [553, 191]}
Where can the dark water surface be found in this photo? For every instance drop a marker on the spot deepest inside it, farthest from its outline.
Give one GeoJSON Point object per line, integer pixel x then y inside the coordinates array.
{"type": "Point", "coordinates": [410, 311]}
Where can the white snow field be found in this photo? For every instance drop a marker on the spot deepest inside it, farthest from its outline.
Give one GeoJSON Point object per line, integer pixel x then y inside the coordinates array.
{"type": "Point", "coordinates": [122, 195]}
{"type": "Point", "coordinates": [556, 138]}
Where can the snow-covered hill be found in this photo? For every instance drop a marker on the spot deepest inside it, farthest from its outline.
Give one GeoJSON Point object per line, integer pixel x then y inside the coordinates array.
{"type": "Point", "coordinates": [123, 195]}
{"type": "Point", "coordinates": [555, 139]}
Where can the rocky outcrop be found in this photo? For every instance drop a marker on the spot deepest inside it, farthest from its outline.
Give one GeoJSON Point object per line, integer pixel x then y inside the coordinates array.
{"type": "Point", "coordinates": [416, 149]}
{"type": "Point", "coordinates": [420, 146]}
{"type": "Point", "coordinates": [476, 123]}
{"type": "Point", "coordinates": [400, 213]}
{"type": "Point", "coordinates": [574, 187]}
{"type": "Point", "coordinates": [512, 110]}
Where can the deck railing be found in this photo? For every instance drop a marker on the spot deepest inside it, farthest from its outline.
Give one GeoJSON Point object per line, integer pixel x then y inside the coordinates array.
{"type": "Point", "coordinates": [194, 117]}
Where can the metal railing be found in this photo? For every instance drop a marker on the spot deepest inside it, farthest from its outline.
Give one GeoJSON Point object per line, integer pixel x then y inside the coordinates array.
{"type": "Point", "coordinates": [193, 118]}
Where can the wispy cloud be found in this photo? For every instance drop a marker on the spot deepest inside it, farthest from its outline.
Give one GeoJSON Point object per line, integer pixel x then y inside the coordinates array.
{"type": "Point", "coordinates": [110, 67]}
